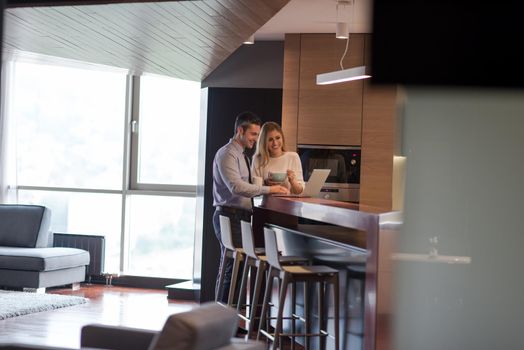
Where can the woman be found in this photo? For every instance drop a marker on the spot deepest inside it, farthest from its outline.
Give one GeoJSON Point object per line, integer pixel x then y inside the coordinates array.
{"type": "Point", "coordinates": [271, 157]}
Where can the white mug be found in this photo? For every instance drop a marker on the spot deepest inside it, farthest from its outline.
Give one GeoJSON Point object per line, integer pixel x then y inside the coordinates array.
{"type": "Point", "coordinates": [257, 180]}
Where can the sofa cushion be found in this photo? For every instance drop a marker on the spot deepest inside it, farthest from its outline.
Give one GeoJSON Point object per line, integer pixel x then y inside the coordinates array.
{"type": "Point", "coordinates": [115, 337]}
{"type": "Point", "coordinates": [25, 226]}
{"type": "Point", "coordinates": [207, 327]}
{"type": "Point", "coordinates": [42, 259]}
{"type": "Point", "coordinates": [241, 344]}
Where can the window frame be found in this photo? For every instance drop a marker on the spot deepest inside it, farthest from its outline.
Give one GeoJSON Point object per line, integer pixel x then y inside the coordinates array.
{"type": "Point", "coordinates": [134, 132]}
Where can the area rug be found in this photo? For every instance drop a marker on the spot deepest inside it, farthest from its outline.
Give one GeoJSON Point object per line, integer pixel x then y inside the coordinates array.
{"type": "Point", "coordinates": [21, 303]}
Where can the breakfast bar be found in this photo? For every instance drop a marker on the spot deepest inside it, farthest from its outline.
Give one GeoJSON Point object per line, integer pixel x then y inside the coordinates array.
{"type": "Point", "coordinates": [355, 239]}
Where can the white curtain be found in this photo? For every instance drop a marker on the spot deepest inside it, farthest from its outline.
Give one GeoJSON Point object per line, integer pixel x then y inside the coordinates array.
{"type": "Point", "coordinates": [7, 145]}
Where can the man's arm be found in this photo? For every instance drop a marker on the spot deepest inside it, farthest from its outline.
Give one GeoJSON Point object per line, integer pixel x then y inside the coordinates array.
{"type": "Point", "coordinates": [229, 168]}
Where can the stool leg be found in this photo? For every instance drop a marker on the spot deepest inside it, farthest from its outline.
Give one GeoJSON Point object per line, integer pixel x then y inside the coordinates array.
{"type": "Point", "coordinates": [265, 302]}
{"type": "Point", "coordinates": [256, 293]}
{"type": "Point", "coordinates": [220, 286]}
{"type": "Point", "coordinates": [347, 313]}
{"type": "Point", "coordinates": [336, 296]}
{"type": "Point", "coordinates": [281, 305]}
{"type": "Point", "coordinates": [321, 315]}
{"type": "Point", "coordinates": [307, 325]}
{"type": "Point", "coordinates": [243, 286]}
{"type": "Point", "coordinates": [293, 312]}
{"type": "Point", "coordinates": [237, 258]}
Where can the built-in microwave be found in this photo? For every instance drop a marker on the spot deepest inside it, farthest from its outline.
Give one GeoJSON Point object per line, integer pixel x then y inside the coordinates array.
{"type": "Point", "coordinates": [343, 182]}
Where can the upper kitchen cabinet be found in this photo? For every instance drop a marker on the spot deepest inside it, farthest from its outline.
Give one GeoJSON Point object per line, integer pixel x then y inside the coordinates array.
{"type": "Point", "coordinates": [349, 114]}
{"type": "Point", "coordinates": [321, 114]}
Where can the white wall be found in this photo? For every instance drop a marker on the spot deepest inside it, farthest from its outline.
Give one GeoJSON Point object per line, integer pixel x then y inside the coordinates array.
{"type": "Point", "coordinates": [465, 185]}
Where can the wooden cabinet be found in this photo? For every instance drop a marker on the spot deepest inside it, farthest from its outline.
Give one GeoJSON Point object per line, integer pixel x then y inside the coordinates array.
{"type": "Point", "coordinates": [380, 141]}
{"type": "Point", "coordinates": [321, 114]}
{"type": "Point", "coordinates": [329, 114]}
{"type": "Point", "coordinates": [351, 113]}
{"type": "Point", "coordinates": [290, 84]}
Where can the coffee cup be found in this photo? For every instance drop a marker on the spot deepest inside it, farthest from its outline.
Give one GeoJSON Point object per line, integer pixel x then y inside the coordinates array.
{"type": "Point", "coordinates": [277, 177]}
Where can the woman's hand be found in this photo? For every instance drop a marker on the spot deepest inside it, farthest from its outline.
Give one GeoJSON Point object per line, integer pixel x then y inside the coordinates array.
{"type": "Point", "coordinates": [278, 189]}
{"type": "Point", "coordinates": [291, 176]}
{"type": "Point", "coordinates": [268, 182]}
{"type": "Point", "coordinates": [296, 187]}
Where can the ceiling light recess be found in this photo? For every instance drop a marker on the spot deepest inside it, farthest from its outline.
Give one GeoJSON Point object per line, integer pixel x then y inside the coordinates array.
{"type": "Point", "coordinates": [250, 40]}
{"type": "Point", "coordinates": [342, 30]}
{"type": "Point", "coordinates": [342, 27]}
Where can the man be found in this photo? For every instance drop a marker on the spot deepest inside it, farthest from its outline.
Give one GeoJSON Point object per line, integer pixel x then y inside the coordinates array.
{"type": "Point", "coordinates": [232, 188]}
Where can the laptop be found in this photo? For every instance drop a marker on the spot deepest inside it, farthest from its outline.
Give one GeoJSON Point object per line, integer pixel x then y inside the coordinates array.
{"type": "Point", "coordinates": [312, 188]}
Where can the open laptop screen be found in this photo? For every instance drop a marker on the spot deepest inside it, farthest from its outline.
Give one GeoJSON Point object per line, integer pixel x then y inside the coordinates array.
{"type": "Point", "coordinates": [312, 188]}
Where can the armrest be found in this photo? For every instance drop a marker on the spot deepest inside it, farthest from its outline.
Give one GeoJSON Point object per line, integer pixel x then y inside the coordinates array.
{"type": "Point", "coordinates": [241, 344]}
{"type": "Point", "coordinates": [28, 347]}
{"type": "Point", "coordinates": [34, 347]}
{"type": "Point", "coordinates": [115, 337]}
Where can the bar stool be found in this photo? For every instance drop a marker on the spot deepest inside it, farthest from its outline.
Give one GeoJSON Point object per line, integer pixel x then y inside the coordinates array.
{"type": "Point", "coordinates": [290, 275]}
{"type": "Point", "coordinates": [230, 252]}
{"type": "Point", "coordinates": [254, 259]}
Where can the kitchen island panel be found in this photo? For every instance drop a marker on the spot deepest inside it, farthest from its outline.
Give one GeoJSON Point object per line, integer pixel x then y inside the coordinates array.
{"type": "Point", "coordinates": [341, 235]}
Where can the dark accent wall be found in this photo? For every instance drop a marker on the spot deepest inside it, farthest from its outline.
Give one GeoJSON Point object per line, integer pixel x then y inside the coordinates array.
{"type": "Point", "coordinates": [223, 106]}
{"type": "Point", "coordinates": [252, 66]}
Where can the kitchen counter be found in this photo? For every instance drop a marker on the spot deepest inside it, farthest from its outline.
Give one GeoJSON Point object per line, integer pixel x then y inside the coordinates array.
{"type": "Point", "coordinates": [341, 235]}
{"type": "Point", "coordinates": [342, 214]}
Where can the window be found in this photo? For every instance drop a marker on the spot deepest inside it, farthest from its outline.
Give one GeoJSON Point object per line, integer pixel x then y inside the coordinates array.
{"type": "Point", "coordinates": [168, 124]}
{"type": "Point", "coordinates": [69, 124]}
{"type": "Point", "coordinates": [164, 158]}
{"type": "Point", "coordinates": [75, 152]}
{"type": "Point", "coordinates": [161, 231]}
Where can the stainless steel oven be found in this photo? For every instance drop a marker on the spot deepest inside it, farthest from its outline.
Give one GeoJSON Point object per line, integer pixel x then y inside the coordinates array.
{"type": "Point", "coordinates": [343, 183]}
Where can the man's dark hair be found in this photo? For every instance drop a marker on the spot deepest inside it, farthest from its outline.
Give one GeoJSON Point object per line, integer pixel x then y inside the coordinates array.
{"type": "Point", "coordinates": [245, 119]}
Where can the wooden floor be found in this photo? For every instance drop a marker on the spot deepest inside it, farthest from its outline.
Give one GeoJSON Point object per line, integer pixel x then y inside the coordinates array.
{"type": "Point", "coordinates": [111, 305]}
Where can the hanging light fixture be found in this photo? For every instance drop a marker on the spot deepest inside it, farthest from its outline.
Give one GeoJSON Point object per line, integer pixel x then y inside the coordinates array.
{"type": "Point", "coordinates": [342, 75]}
{"type": "Point", "coordinates": [342, 30]}
{"type": "Point", "coordinates": [342, 25]}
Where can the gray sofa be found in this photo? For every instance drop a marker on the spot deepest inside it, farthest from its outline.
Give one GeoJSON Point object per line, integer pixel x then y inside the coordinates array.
{"type": "Point", "coordinates": [208, 327]}
{"type": "Point", "coordinates": [27, 256]}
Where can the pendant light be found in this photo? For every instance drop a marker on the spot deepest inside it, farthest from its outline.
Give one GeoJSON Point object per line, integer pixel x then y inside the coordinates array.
{"type": "Point", "coordinates": [342, 75]}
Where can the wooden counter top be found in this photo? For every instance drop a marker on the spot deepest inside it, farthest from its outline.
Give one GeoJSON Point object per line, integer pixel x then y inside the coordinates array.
{"type": "Point", "coordinates": [342, 214]}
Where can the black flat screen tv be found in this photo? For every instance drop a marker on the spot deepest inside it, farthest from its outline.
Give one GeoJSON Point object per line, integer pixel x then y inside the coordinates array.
{"type": "Point", "coordinates": [461, 42]}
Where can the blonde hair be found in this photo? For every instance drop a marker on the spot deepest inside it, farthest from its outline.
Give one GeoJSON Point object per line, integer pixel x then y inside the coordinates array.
{"type": "Point", "coordinates": [262, 153]}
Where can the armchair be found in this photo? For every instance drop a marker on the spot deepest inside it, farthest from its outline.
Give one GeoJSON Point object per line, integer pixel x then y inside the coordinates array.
{"type": "Point", "coordinates": [27, 256]}
{"type": "Point", "coordinates": [208, 327]}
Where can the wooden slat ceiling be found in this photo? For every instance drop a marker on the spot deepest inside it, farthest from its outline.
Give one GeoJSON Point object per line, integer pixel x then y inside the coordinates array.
{"type": "Point", "coordinates": [183, 39]}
